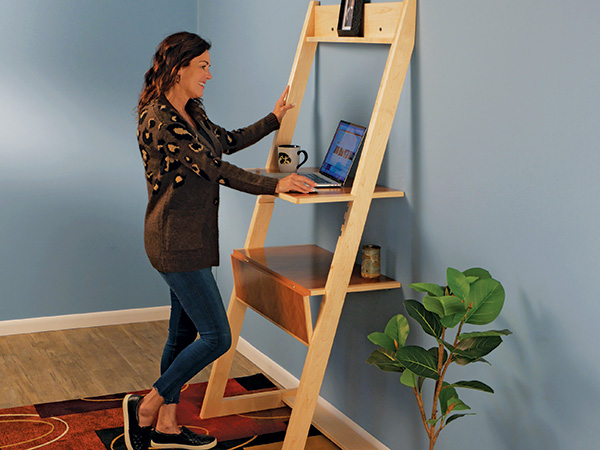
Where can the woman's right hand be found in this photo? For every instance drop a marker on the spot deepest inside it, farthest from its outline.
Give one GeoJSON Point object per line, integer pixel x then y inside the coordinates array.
{"type": "Point", "coordinates": [295, 183]}
{"type": "Point", "coordinates": [282, 106]}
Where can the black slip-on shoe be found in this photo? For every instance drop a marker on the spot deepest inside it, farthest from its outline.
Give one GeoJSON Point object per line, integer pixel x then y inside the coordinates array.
{"type": "Point", "coordinates": [186, 439]}
{"type": "Point", "coordinates": [136, 437]}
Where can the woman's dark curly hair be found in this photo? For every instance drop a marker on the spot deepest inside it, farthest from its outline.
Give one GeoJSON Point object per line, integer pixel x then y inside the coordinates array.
{"type": "Point", "coordinates": [173, 53]}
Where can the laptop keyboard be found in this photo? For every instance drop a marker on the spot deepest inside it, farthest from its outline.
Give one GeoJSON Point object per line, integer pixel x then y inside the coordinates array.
{"type": "Point", "coordinates": [316, 178]}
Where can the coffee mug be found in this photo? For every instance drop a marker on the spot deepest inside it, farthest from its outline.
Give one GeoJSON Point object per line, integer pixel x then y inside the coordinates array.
{"type": "Point", "coordinates": [289, 157]}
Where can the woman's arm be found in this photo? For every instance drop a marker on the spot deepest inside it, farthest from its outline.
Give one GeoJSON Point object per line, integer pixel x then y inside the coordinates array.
{"type": "Point", "coordinates": [234, 141]}
{"type": "Point", "coordinates": [167, 142]}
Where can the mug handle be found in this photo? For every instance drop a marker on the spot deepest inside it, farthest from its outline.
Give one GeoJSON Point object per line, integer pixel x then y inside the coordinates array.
{"type": "Point", "coordinates": [305, 158]}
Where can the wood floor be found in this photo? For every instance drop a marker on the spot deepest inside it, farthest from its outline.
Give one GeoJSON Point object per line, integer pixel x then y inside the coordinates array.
{"type": "Point", "coordinates": [63, 365]}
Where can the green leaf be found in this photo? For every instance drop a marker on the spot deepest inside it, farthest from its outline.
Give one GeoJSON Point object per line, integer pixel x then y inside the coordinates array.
{"type": "Point", "coordinates": [383, 340]}
{"type": "Point", "coordinates": [476, 347]}
{"type": "Point", "coordinates": [487, 298]}
{"type": "Point", "coordinates": [456, 404]}
{"type": "Point", "coordinates": [484, 333]}
{"type": "Point", "coordinates": [477, 272]}
{"type": "Point", "coordinates": [453, 417]}
{"type": "Point", "coordinates": [409, 379]}
{"type": "Point", "coordinates": [429, 288]}
{"type": "Point", "coordinates": [462, 361]}
{"type": "Point", "coordinates": [418, 360]}
{"type": "Point", "coordinates": [385, 360]}
{"type": "Point", "coordinates": [473, 384]}
{"type": "Point", "coordinates": [432, 422]}
{"type": "Point", "coordinates": [435, 352]}
{"type": "Point", "coordinates": [457, 282]}
{"type": "Point", "coordinates": [397, 329]}
{"type": "Point", "coordinates": [446, 394]}
{"type": "Point", "coordinates": [472, 280]}
{"type": "Point", "coordinates": [452, 321]}
{"type": "Point", "coordinates": [434, 305]}
{"type": "Point", "coordinates": [460, 357]}
{"type": "Point", "coordinates": [447, 305]}
{"type": "Point", "coordinates": [429, 322]}
{"type": "Point", "coordinates": [453, 305]}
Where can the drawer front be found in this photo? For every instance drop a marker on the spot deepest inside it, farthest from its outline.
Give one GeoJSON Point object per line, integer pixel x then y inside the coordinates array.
{"type": "Point", "coordinates": [272, 298]}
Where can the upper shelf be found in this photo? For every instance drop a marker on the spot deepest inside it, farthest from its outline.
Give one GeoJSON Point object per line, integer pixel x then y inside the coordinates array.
{"type": "Point", "coordinates": [327, 195]}
{"type": "Point", "coordinates": [380, 23]}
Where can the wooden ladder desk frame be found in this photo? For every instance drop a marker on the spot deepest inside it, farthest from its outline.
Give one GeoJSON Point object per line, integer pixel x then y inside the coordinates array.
{"type": "Point", "coordinates": [384, 23]}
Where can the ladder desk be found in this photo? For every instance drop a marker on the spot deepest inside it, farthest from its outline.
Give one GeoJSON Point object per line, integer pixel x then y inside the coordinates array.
{"type": "Point", "coordinates": [277, 282]}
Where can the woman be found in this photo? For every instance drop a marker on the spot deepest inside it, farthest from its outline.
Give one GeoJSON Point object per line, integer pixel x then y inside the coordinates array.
{"type": "Point", "coordinates": [181, 150]}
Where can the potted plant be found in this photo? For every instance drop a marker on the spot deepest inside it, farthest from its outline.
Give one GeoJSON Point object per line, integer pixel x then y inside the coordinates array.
{"type": "Point", "coordinates": [471, 297]}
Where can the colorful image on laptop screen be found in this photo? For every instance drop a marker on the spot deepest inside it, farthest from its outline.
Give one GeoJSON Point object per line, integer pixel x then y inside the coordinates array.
{"type": "Point", "coordinates": [344, 146]}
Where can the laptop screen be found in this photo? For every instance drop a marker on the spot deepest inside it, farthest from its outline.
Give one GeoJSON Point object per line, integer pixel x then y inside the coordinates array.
{"type": "Point", "coordinates": [343, 148]}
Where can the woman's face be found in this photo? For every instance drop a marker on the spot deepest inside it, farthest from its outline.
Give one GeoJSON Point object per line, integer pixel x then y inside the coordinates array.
{"type": "Point", "coordinates": [195, 75]}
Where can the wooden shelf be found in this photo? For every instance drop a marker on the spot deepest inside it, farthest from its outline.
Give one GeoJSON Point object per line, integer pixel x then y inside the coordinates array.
{"type": "Point", "coordinates": [304, 269]}
{"type": "Point", "coordinates": [337, 195]}
{"type": "Point", "coordinates": [380, 24]}
{"type": "Point", "coordinates": [326, 195]}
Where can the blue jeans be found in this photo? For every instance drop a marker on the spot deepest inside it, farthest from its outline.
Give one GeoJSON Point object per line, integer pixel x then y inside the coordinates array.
{"type": "Point", "coordinates": [196, 309]}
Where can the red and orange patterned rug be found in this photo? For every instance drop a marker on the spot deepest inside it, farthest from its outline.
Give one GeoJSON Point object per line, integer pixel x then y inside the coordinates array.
{"type": "Point", "coordinates": [97, 423]}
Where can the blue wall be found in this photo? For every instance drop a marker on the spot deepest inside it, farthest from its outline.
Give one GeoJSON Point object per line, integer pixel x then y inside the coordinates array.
{"type": "Point", "coordinates": [72, 189]}
{"type": "Point", "coordinates": [495, 142]}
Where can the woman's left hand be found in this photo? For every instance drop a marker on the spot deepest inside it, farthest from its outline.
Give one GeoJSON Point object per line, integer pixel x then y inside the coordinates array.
{"type": "Point", "coordinates": [282, 107]}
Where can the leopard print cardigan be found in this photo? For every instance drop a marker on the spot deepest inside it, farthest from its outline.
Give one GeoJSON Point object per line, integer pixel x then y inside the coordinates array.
{"type": "Point", "coordinates": [184, 170]}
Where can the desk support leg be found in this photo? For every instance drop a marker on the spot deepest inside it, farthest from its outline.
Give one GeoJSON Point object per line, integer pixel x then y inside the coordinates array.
{"type": "Point", "coordinates": [221, 367]}
{"type": "Point", "coordinates": [219, 374]}
{"type": "Point", "coordinates": [305, 402]}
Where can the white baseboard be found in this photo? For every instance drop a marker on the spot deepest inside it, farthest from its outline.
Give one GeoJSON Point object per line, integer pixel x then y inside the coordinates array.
{"type": "Point", "coordinates": [328, 419]}
{"type": "Point", "coordinates": [97, 319]}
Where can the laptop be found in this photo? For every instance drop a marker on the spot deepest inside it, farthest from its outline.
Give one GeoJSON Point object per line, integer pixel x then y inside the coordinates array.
{"type": "Point", "coordinates": [340, 157]}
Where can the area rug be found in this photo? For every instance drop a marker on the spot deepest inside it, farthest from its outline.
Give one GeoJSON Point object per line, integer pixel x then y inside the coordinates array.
{"type": "Point", "coordinates": [97, 423]}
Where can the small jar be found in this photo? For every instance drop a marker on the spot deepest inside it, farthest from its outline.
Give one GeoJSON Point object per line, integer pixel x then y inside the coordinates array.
{"type": "Point", "coordinates": [370, 266]}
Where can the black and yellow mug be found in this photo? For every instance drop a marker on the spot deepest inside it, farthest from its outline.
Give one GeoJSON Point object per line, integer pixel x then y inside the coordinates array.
{"type": "Point", "coordinates": [289, 157]}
